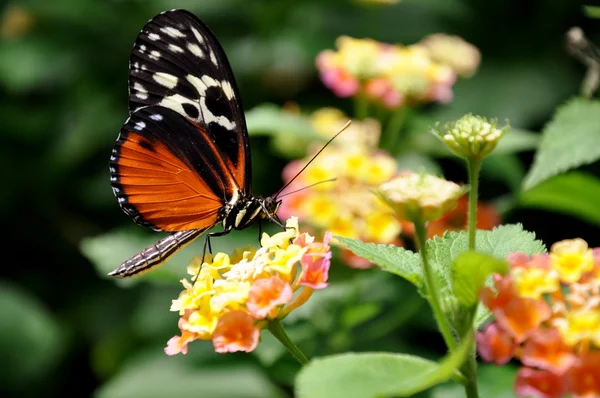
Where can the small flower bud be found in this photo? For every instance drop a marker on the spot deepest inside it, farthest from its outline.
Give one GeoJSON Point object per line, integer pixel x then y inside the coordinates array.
{"type": "Point", "coordinates": [470, 136]}
{"type": "Point", "coordinates": [420, 198]}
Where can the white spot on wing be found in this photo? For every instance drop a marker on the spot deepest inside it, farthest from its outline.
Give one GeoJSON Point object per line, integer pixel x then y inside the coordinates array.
{"type": "Point", "coordinates": [195, 49]}
{"type": "Point", "coordinates": [139, 125]}
{"type": "Point", "coordinates": [175, 103]}
{"type": "Point", "coordinates": [142, 48]}
{"type": "Point", "coordinates": [153, 37]}
{"type": "Point", "coordinates": [156, 116]}
{"type": "Point", "coordinates": [198, 36]}
{"type": "Point", "coordinates": [227, 89]}
{"type": "Point", "coordinates": [154, 54]}
{"type": "Point", "coordinates": [175, 49]}
{"type": "Point", "coordinates": [165, 79]}
{"type": "Point", "coordinates": [172, 31]}
{"type": "Point", "coordinates": [209, 117]}
{"type": "Point", "coordinates": [141, 93]}
{"type": "Point", "coordinates": [113, 170]}
{"type": "Point", "coordinates": [198, 84]}
{"type": "Point", "coordinates": [213, 58]}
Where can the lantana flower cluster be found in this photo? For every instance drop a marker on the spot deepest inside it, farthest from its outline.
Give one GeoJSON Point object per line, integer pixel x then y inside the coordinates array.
{"type": "Point", "coordinates": [547, 314]}
{"type": "Point", "coordinates": [396, 75]}
{"type": "Point", "coordinates": [234, 297]}
{"type": "Point", "coordinates": [346, 207]}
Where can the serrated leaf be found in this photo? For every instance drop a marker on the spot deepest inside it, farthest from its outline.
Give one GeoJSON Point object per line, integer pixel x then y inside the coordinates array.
{"type": "Point", "coordinates": [368, 375]}
{"type": "Point", "coordinates": [570, 140]}
{"type": "Point", "coordinates": [469, 273]}
{"type": "Point", "coordinates": [390, 258]}
{"type": "Point", "coordinates": [573, 193]}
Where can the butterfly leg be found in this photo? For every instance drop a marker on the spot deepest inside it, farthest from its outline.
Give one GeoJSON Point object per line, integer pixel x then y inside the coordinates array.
{"type": "Point", "coordinates": [207, 243]}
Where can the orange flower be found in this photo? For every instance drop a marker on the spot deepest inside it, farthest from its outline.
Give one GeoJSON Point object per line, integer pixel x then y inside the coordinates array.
{"type": "Point", "coordinates": [266, 294]}
{"type": "Point", "coordinates": [546, 350]}
{"type": "Point", "coordinates": [495, 345]}
{"type": "Point", "coordinates": [584, 378]}
{"type": "Point", "coordinates": [178, 344]}
{"type": "Point", "coordinates": [457, 219]}
{"type": "Point", "coordinates": [514, 314]}
{"type": "Point", "coordinates": [235, 331]}
{"type": "Point", "coordinates": [539, 383]}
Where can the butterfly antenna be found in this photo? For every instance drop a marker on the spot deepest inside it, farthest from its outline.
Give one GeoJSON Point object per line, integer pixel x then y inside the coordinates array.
{"type": "Point", "coordinates": [308, 186]}
{"type": "Point", "coordinates": [313, 158]}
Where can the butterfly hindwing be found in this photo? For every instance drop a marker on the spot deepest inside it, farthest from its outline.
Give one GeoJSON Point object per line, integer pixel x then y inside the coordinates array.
{"type": "Point", "coordinates": [177, 63]}
{"type": "Point", "coordinates": [168, 174]}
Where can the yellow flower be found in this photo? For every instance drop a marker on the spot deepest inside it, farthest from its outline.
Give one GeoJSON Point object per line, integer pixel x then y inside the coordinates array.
{"type": "Point", "coordinates": [231, 296]}
{"type": "Point", "coordinates": [532, 282]}
{"type": "Point", "coordinates": [579, 326]}
{"type": "Point", "coordinates": [460, 55]}
{"type": "Point", "coordinates": [571, 258]}
{"type": "Point", "coordinates": [381, 227]}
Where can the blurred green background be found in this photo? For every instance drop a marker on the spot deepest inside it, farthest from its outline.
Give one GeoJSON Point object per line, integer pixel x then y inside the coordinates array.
{"type": "Point", "coordinates": [66, 328]}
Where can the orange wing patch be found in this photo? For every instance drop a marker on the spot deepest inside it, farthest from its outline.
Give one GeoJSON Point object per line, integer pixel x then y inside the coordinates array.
{"type": "Point", "coordinates": [162, 188]}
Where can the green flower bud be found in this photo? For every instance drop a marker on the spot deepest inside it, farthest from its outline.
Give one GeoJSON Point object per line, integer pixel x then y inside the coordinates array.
{"type": "Point", "coordinates": [470, 136]}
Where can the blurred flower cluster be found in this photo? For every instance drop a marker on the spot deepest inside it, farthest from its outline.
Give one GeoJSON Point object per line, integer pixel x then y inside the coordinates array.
{"type": "Point", "coordinates": [347, 206]}
{"type": "Point", "coordinates": [234, 297]}
{"type": "Point", "coordinates": [547, 314]}
{"type": "Point", "coordinates": [395, 75]}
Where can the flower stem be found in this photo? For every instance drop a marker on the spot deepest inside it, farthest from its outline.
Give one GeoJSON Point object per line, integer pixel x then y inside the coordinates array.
{"type": "Point", "coordinates": [474, 166]}
{"type": "Point", "coordinates": [470, 367]}
{"type": "Point", "coordinates": [277, 330]}
{"type": "Point", "coordinates": [393, 130]}
{"type": "Point", "coordinates": [361, 107]}
{"type": "Point", "coordinates": [432, 290]}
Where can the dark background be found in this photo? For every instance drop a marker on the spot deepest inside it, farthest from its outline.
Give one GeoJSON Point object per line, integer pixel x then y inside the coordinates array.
{"type": "Point", "coordinates": [63, 81]}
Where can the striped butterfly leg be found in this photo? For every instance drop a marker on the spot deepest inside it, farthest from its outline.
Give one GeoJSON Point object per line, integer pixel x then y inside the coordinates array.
{"type": "Point", "coordinates": [156, 255]}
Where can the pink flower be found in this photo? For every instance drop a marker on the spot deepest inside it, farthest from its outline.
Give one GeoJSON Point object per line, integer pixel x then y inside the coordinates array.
{"type": "Point", "coordinates": [316, 262]}
{"type": "Point", "coordinates": [266, 294]}
{"type": "Point", "coordinates": [495, 345]}
{"type": "Point", "coordinates": [539, 383]}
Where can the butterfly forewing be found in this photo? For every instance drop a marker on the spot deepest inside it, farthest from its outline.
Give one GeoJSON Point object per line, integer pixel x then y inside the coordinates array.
{"type": "Point", "coordinates": [177, 63]}
{"type": "Point", "coordinates": [168, 174]}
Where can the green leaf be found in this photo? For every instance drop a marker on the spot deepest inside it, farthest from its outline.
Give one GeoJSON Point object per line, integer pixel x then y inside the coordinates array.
{"type": "Point", "coordinates": [31, 340]}
{"type": "Point", "coordinates": [367, 375]}
{"type": "Point", "coordinates": [592, 11]}
{"type": "Point", "coordinates": [390, 258]}
{"type": "Point", "coordinates": [469, 273]}
{"type": "Point", "coordinates": [573, 193]}
{"type": "Point", "coordinates": [164, 376]}
{"type": "Point", "coordinates": [270, 119]}
{"type": "Point", "coordinates": [570, 140]}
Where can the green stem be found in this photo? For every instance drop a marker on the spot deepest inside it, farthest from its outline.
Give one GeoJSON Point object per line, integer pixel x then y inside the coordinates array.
{"type": "Point", "coordinates": [470, 367]}
{"type": "Point", "coordinates": [361, 107]}
{"type": "Point", "coordinates": [470, 370]}
{"type": "Point", "coordinates": [432, 290]}
{"type": "Point", "coordinates": [393, 130]}
{"type": "Point", "coordinates": [474, 166]}
{"type": "Point", "coordinates": [277, 330]}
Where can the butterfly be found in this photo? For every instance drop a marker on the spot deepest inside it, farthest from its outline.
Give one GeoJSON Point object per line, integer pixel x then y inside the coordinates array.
{"type": "Point", "coordinates": [181, 163]}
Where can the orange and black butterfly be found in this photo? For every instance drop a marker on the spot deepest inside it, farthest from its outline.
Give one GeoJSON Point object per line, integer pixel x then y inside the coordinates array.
{"type": "Point", "coordinates": [181, 163]}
